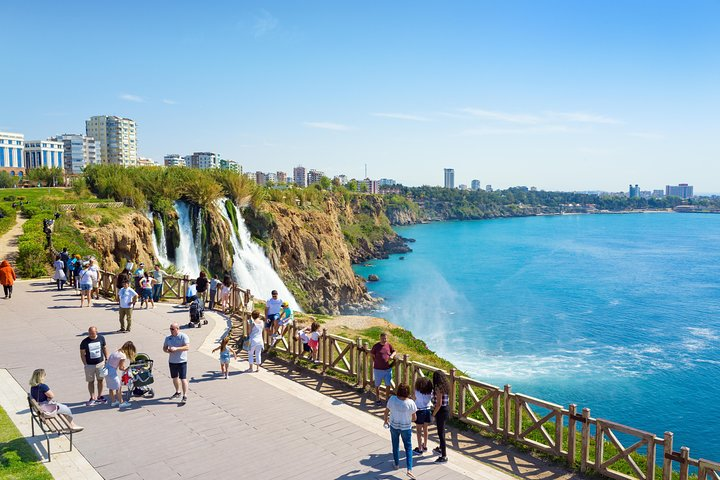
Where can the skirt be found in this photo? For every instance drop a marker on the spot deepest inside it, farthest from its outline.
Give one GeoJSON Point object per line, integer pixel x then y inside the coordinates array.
{"type": "Point", "coordinates": [112, 380]}
{"type": "Point", "coordinates": [59, 275]}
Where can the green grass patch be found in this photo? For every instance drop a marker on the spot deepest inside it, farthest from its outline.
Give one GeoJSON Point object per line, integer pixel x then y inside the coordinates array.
{"type": "Point", "coordinates": [7, 218]}
{"type": "Point", "coordinates": [17, 459]}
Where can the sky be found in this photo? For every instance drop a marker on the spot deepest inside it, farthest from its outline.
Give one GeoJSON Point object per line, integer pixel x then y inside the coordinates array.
{"type": "Point", "coordinates": [560, 95]}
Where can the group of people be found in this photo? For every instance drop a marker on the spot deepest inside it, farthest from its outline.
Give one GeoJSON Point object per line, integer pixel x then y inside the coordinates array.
{"type": "Point", "coordinates": [216, 290]}
{"type": "Point", "coordinates": [83, 275]}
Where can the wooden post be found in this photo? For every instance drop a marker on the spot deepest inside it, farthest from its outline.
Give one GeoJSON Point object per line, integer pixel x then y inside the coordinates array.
{"type": "Point", "coordinates": [651, 454]}
{"type": "Point", "coordinates": [572, 431]}
{"type": "Point", "coordinates": [585, 441]}
{"type": "Point", "coordinates": [462, 400]}
{"type": "Point", "coordinates": [496, 411]}
{"type": "Point", "coordinates": [370, 374]}
{"type": "Point", "coordinates": [353, 365]}
{"type": "Point", "coordinates": [358, 362]}
{"type": "Point", "coordinates": [667, 451]}
{"type": "Point", "coordinates": [323, 352]}
{"type": "Point", "coordinates": [507, 393]}
{"type": "Point", "coordinates": [558, 432]}
{"type": "Point", "coordinates": [453, 393]}
{"type": "Point", "coordinates": [599, 445]}
{"type": "Point", "coordinates": [685, 465]}
{"type": "Point", "coordinates": [518, 418]}
{"type": "Point", "coordinates": [405, 374]}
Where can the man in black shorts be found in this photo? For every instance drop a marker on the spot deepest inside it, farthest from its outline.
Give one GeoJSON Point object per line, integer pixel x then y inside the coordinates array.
{"type": "Point", "coordinates": [177, 345]}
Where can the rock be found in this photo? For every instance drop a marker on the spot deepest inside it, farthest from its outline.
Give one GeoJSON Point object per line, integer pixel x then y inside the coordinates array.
{"type": "Point", "coordinates": [373, 278]}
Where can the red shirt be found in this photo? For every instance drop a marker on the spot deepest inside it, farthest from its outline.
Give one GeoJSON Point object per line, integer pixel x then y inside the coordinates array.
{"type": "Point", "coordinates": [381, 355]}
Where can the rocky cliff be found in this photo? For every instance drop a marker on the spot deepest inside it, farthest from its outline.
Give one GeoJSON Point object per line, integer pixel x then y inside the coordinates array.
{"type": "Point", "coordinates": [127, 238]}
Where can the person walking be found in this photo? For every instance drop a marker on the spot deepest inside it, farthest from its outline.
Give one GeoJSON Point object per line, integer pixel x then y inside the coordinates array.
{"type": "Point", "coordinates": [255, 337]}
{"type": "Point", "coordinates": [86, 283]}
{"type": "Point", "coordinates": [225, 294]}
{"type": "Point", "coordinates": [176, 345]}
{"type": "Point", "coordinates": [41, 393]}
{"type": "Point", "coordinates": [201, 286]}
{"type": "Point", "coordinates": [423, 402]}
{"type": "Point", "coordinates": [399, 415]}
{"type": "Point", "coordinates": [95, 292]}
{"type": "Point", "coordinates": [441, 391]}
{"type": "Point", "coordinates": [157, 289]}
{"type": "Point", "coordinates": [93, 353]}
{"type": "Point", "coordinates": [76, 267]}
{"type": "Point", "coordinates": [7, 278]}
{"type": "Point", "coordinates": [127, 297]}
{"type": "Point", "coordinates": [383, 355]}
{"type": "Point", "coordinates": [215, 285]}
{"type": "Point", "coordinates": [117, 363]}
{"type": "Point", "coordinates": [65, 258]}
{"type": "Point", "coordinates": [59, 275]}
{"type": "Point", "coordinates": [225, 353]}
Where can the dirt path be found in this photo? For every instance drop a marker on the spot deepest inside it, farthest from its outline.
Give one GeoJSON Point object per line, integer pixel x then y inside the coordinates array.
{"type": "Point", "coordinates": [9, 241]}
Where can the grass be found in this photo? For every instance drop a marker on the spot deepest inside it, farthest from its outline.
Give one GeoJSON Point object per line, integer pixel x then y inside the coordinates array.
{"type": "Point", "coordinates": [17, 459]}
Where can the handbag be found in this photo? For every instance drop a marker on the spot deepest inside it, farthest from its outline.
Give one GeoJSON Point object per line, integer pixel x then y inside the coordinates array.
{"type": "Point", "coordinates": [103, 372]}
{"type": "Point", "coordinates": [49, 409]}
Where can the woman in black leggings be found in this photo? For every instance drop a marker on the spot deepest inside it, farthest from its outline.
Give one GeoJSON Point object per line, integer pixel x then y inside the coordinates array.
{"type": "Point", "coordinates": [441, 391]}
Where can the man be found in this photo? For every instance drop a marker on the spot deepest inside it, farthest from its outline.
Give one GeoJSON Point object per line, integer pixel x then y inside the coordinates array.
{"type": "Point", "coordinates": [157, 289]}
{"type": "Point", "coordinates": [139, 274]}
{"type": "Point", "coordinates": [65, 258]}
{"type": "Point", "coordinates": [272, 310]}
{"type": "Point", "coordinates": [127, 297]}
{"type": "Point", "coordinates": [215, 285]}
{"type": "Point", "coordinates": [383, 353]}
{"type": "Point", "coordinates": [177, 345]}
{"type": "Point", "coordinates": [93, 353]}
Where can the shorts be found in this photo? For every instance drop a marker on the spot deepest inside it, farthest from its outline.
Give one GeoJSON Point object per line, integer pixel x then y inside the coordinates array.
{"type": "Point", "coordinates": [306, 348]}
{"type": "Point", "coordinates": [423, 416]}
{"type": "Point", "coordinates": [92, 372]}
{"type": "Point", "coordinates": [85, 287]}
{"type": "Point", "coordinates": [381, 375]}
{"type": "Point", "coordinates": [146, 293]}
{"type": "Point", "coordinates": [270, 319]}
{"type": "Point", "coordinates": [178, 370]}
{"type": "Point", "coordinates": [313, 344]}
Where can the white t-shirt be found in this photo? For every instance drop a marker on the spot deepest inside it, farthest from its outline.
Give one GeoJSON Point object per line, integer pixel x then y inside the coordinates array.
{"type": "Point", "coordinates": [273, 306]}
{"type": "Point", "coordinates": [401, 412]}
{"type": "Point", "coordinates": [87, 277]}
{"type": "Point", "coordinates": [126, 296]}
{"type": "Point", "coordinates": [422, 400]}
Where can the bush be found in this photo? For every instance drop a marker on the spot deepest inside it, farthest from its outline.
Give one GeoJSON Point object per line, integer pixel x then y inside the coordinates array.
{"type": "Point", "coordinates": [29, 211]}
{"type": "Point", "coordinates": [7, 218]}
{"type": "Point", "coordinates": [32, 259]}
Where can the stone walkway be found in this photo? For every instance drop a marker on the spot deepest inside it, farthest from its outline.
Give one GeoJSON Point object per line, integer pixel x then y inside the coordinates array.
{"type": "Point", "coordinates": [8, 242]}
{"type": "Point", "coordinates": [263, 425]}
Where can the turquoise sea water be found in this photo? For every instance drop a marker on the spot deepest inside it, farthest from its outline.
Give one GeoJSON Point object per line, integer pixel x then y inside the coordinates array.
{"type": "Point", "coordinates": [618, 313]}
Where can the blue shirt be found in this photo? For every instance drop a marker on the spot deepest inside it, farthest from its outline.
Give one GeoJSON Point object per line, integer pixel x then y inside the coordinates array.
{"type": "Point", "coordinates": [38, 392]}
{"type": "Point", "coordinates": [179, 340]}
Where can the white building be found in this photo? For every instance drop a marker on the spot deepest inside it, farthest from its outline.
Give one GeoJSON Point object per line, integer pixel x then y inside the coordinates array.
{"type": "Point", "coordinates": [44, 153]}
{"type": "Point", "coordinates": [314, 176]}
{"type": "Point", "coordinates": [116, 138]}
{"type": "Point", "coordinates": [12, 159]}
{"type": "Point", "coordinates": [79, 151]}
{"type": "Point", "coordinates": [387, 182]}
{"type": "Point", "coordinates": [173, 160]}
{"type": "Point", "coordinates": [203, 160]}
{"type": "Point", "coordinates": [475, 185]}
{"type": "Point", "coordinates": [343, 179]}
{"type": "Point", "coordinates": [232, 165]}
{"type": "Point", "coordinates": [271, 177]}
{"type": "Point", "coordinates": [146, 162]}
{"type": "Point", "coordinates": [449, 178]}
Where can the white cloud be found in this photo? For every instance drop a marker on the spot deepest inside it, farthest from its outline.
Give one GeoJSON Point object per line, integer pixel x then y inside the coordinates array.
{"type": "Point", "coordinates": [646, 135]}
{"type": "Point", "coordinates": [582, 117]}
{"type": "Point", "coordinates": [549, 117]}
{"type": "Point", "coordinates": [402, 116]}
{"type": "Point", "coordinates": [132, 98]}
{"type": "Point", "coordinates": [167, 101]}
{"type": "Point", "coordinates": [264, 23]}
{"type": "Point", "coordinates": [502, 116]}
{"type": "Point", "coordinates": [328, 126]}
{"type": "Point", "coordinates": [487, 131]}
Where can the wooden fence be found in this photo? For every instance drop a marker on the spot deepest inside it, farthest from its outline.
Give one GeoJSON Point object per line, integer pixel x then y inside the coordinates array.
{"type": "Point", "coordinates": [571, 434]}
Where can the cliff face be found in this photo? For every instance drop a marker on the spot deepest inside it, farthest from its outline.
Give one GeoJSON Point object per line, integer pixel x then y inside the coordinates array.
{"type": "Point", "coordinates": [128, 238]}
{"type": "Point", "coordinates": [308, 250]}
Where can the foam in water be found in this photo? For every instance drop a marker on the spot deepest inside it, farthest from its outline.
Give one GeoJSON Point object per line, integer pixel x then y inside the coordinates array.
{"type": "Point", "coordinates": [251, 268]}
{"type": "Point", "coordinates": [186, 259]}
{"type": "Point", "coordinates": [160, 245]}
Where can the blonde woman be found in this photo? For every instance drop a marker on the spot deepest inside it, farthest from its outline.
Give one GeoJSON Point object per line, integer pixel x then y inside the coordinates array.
{"type": "Point", "coordinates": [45, 397]}
{"type": "Point", "coordinates": [116, 364]}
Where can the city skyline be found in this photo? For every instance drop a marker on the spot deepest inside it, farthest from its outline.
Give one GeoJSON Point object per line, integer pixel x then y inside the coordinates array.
{"type": "Point", "coordinates": [562, 97]}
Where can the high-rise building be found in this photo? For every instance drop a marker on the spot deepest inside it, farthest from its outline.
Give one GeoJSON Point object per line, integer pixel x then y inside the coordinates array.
{"type": "Point", "coordinates": [299, 176]}
{"type": "Point", "coordinates": [43, 153]}
{"type": "Point", "coordinates": [12, 158]}
{"type": "Point", "coordinates": [79, 151]}
{"type": "Point", "coordinates": [634, 191]}
{"type": "Point", "coordinates": [449, 178]}
{"type": "Point", "coordinates": [488, 188]}
{"type": "Point", "coordinates": [314, 176]}
{"type": "Point", "coordinates": [658, 193]}
{"type": "Point", "coordinates": [682, 190]}
{"type": "Point", "coordinates": [281, 177]}
{"type": "Point", "coordinates": [475, 185]}
{"type": "Point", "coordinates": [174, 160]}
{"type": "Point", "coordinates": [462, 186]}
{"type": "Point", "coordinates": [260, 178]}
{"type": "Point", "coordinates": [146, 162]}
{"type": "Point", "coordinates": [232, 165]}
{"type": "Point", "coordinates": [372, 186]}
{"type": "Point", "coordinates": [116, 138]}
{"type": "Point", "coordinates": [271, 177]}
{"type": "Point", "coordinates": [203, 160]}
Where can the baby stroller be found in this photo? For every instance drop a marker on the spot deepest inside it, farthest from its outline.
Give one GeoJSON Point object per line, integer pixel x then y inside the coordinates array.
{"type": "Point", "coordinates": [197, 312]}
{"type": "Point", "coordinates": [141, 376]}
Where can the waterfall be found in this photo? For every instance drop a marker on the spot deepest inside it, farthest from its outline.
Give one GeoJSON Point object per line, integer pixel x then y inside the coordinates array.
{"type": "Point", "coordinates": [186, 257]}
{"type": "Point", "coordinates": [198, 237]}
{"type": "Point", "coordinates": [160, 246]}
{"type": "Point", "coordinates": [251, 268]}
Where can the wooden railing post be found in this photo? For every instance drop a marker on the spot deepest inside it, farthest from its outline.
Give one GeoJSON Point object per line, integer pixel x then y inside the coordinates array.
{"type": "Point", "coordinates": [585, 442]}
{"type": "Point", "coordinates": [358, 362]}
{"type": "Point", "coordinates": [496, 412]}
{"type": "Point", "coordinates": [324, 350]}
{"type": "Point", "coordinates": [507, 395]}
{"type": "Point", "coordinates": [405, 375]}
{"type": "Point", "coordinates": [370, 378]}
{"type": "Point", "coordinates": [685, 465]}
{"type": "Point", "coordinates": [517, 429]}
{"type": "Point", "coordinates": [451, 399]}
{"type": "Point", "coordinates": [461, 400]}
{"type": "Point", "coordinates": [572, 432]}
{"type": "Point", "coordinates": [667, 451]}
{"type": "Point", "coordinates": [599, 445]}
{"type": "Point", "coordinates": [651, 455]}
{"type": "Point", "coordinates": [558, 432]}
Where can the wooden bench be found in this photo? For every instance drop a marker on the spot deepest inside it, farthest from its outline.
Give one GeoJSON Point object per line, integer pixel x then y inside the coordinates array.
{"type": "Point", "coordinates": [55, 424]}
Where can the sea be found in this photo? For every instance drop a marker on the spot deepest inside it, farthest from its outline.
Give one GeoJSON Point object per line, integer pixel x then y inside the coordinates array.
{"type": "Point", "coordinates": [619, 313]}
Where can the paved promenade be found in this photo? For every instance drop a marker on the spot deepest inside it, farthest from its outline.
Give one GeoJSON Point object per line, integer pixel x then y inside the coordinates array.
{"type": "Point", "coordinates": [261, 425]}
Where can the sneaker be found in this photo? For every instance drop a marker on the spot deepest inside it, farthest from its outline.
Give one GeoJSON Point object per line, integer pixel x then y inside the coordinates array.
{"type": "Point", "coordinates": [124, 405]}
{"type": "Point", "coordinates": [437, 450]}
{"type": "Point", "coordinates": [91, 403]}
{"type": "Point", "coordinates": [175, 395]}
{"type": "Point", "coordinates": [77, 428]}
{"type": "Point", "coordinates": [378, 403]}
{"type": "Point", "coordinates": [101, 399]}
{"type": "Point", "coordinates": [114, 404]}
{"type": "Point", "coordinates": [396, 466]}
{"type": "Point", "coordinates": [417, 451]}
{"type": "Point", "coordinates": [441, 460]}
{"type": "Point", "coordinates": [183, 401]}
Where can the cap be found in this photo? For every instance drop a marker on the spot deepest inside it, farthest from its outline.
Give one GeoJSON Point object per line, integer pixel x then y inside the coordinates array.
{"type": "Point", "coordinates": [285, 304]}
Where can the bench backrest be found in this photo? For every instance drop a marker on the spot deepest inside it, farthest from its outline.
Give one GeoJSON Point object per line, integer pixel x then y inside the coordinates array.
{"type": "Point", "coordinates": [55, 423]}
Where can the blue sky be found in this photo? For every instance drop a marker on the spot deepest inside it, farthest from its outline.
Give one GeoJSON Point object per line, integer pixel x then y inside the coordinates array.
{"type": "Point", "coordinates": [571, 95]}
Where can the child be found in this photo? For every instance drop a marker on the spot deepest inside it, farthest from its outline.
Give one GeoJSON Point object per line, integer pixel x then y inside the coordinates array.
{"type": "Point", "coordinates": [314, 341]}
{"type": "Point", "coordinates": [423, 397]}
{"type": "Point", "coordinates": [146, 284]}
{"type": "Point", "coordinates": [225, 353]}
{"type": "Point", "coordinates": [255, 337]}
{"type": "Point", "coordinates": [286, 317]}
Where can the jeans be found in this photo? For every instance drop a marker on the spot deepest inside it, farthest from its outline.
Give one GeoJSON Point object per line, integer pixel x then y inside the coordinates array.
{"type": "Point", "coordinates": [8, 290]}
{"type": "Point", "coordinates": [395, 435]}
{"type": "Point", "coordinates": [213, 296]}
{"type": "Point", "coordinates": [157, 292]}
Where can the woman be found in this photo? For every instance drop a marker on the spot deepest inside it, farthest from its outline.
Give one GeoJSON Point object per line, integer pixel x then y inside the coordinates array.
{"type": "Point", "coordinates": [399, 415]}
{"type": "Point", "coordinates": [225, 294]}
{"type": "Point", "coordinates": [441, 389]}
{"type": "Point", "coordinates": [255, 337]}
{"type": "Point", "coordinates": [146, 284]}
{"type": "Point", "coordinates": [86, 283]}
{"type": "Point", "coordinates": [45, 397]}
{"type": "Point", "coordinates": [7, 278]}
{"type": "Point", "coordinates": [201, 285]}
{"type": "Point", "coordinates": [59, 276]}
{"type": "Point", "coordinates": [116, 364]}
